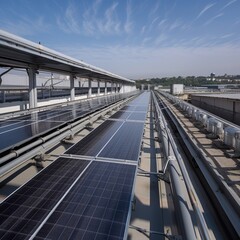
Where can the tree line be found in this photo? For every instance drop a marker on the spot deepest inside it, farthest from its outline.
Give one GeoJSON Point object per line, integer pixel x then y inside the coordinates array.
{"type": "Point", "coordinates": [189, 81]}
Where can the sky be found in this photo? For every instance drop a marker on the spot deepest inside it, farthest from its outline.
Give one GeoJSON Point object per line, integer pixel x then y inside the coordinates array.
{"type": "Point", "coordinates": [134, 38]}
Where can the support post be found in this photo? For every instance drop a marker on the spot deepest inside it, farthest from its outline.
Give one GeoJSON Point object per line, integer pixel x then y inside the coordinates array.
{"type": "Point", "coordinates": [111, 87]}
{"type": "Point", "coordinates": [105, 88]}
{"type": "Point", "coordinates": [72, 89]}
{"type": "Point", "coordinates": [32, 87]}
{"type": "Point", "coordinates": [98, 88]}
{"type": "Point", "coordinates": [89, 87]}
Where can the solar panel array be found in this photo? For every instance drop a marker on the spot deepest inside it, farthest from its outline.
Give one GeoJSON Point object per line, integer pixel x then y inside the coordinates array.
{"type": "Point", "coordinates": [21, 129]}
{"type": "Point", "coordinates": [85, 194]}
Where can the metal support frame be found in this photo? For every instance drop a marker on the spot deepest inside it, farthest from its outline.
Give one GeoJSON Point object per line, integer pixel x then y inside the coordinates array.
{"type": "Point", "coordinates": [4, 74]}
{"type": "Point", "coordinates": [32, 87]}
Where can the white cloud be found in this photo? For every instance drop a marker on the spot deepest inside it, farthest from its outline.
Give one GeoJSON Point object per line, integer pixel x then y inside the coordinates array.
{"type": "Point", "coordinates": [25, 26]}
{"type": "Point", "coordinates": [93, 21]}
{"type": "Point", "coordinates": [207, 7]}
{"type": "Point", "coordinates": [128, 24]}
{"type": "Point", "coordinates": [228, 4]}
{"type": "Point", "coordinates": [213, 18]}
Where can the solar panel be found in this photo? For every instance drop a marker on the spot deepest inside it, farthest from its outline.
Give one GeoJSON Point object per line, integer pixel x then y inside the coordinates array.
{"type": "Point", "coordinates": [97, 206]}
{"type": "Point", "coordinates": [137, 116]}
{"type": "Point", "coordinates": [23, 211]}
{"type": "Point", "coordinates": [42, 122]}
{"type": "Point", "coordinates": [18, 135]}
{"type": "Point", "coordinates": [126, 142]}
{"type": "Point", "coordinates": [95, 141]}
{"type": "Point", "coordinates": [121, 115]}
{"type": "Point", "coordinates": [8, 125]}
{"type": "Point", "coordinates": [128, 108]}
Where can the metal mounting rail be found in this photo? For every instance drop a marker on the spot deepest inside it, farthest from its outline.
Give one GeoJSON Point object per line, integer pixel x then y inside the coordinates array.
{"type": "Point", "coordinates": [172, 152]}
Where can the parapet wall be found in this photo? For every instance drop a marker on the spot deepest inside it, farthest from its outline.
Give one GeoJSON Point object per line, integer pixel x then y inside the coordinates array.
{"type": "Point", "coordinates": [226, 108]}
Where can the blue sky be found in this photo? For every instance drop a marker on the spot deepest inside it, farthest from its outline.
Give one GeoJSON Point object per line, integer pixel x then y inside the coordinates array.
{"type": "Point", "coordinates": [134, 38]}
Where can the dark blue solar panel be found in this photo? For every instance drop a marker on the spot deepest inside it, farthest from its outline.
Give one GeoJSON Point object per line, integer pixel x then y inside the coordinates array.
{"type": "Point", "coordinates": [16, 136]}
{"type": "Point", "coordinates": [97, 206]}
{"type": "Point", "coordinates": [121, 115]}
{"type": "Point", "coordinates": [22, 212]}
{"type": "Point", "coordinates": [126, 142]}
{"type": "Point", "coordinates": [95, 141]}
{"type": "Point", "coordinates": [137, 116]}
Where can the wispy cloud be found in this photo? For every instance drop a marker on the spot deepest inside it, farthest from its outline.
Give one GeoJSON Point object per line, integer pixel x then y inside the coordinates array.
{"type": "Point", "coordinates": [161, 39]}
{"type": "Point", "coordinates": [110, 24]}
{"type": "Point", "coordinates": [175, 25]}
{"type": "Point", "coordinates": [228, 4]}
{"type": "Point", "coordinates": [162, 22]}
{"type": "Point", "coordinates": [94, 21]}
{"type": "Point", "coordinates": [154, 10]}
{"type": "Point", "coordinates": [206, 8]}
{"type": "Point", "coordinates": [213, 18]}
{"type": "Point", "coordinates": [24, 26]}
{"type": "Point", "coordinates": [128, 24]}
{"type": "Point", "coordinates": [70, 22]}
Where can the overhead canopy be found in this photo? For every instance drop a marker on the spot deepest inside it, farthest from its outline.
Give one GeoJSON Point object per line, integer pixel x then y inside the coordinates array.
{"type": "Point", "coordinates": [19, 52]}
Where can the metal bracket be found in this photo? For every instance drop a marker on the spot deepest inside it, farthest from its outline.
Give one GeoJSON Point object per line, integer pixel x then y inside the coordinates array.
{"type": "Point", "coordinates": [148, 232]}
{"type": "Point", "coordinates": [159, 175]}
{"type": "Point", "coordinates": [170, 158]}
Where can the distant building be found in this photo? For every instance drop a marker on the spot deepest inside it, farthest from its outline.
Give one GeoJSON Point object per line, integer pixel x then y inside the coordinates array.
{"type": "Point", "coordinates": [177, 89]}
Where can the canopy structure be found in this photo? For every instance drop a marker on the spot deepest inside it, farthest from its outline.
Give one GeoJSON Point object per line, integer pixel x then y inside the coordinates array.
{"type": "Point", "coordinates": [17, 52]}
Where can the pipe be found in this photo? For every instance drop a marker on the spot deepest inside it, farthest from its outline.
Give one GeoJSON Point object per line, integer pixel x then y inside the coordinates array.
{"type": "Point", "coordinates": [192, 195]}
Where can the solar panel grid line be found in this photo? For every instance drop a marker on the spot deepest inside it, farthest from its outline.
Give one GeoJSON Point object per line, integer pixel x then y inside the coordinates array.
{"type": "Point", "coordinates": [58, 203]}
